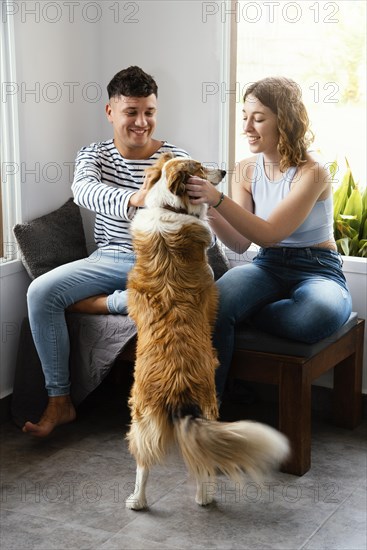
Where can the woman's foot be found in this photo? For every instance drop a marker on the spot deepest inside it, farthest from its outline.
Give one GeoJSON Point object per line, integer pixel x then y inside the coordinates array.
{"type": "Point", "coordinates": [59, 410]}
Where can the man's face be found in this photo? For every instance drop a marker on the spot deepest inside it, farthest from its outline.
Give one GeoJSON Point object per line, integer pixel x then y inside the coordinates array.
{"type": "Point", "coordinates": [134, 121]}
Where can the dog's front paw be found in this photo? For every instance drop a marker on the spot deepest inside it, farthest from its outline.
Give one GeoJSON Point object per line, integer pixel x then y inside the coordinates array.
{"type": "Point", "coordinates": [203, 498]}
{"type": "Point", "coordinates": [134, 502]}
{"type": "Point", "coordinates": [205, 491]}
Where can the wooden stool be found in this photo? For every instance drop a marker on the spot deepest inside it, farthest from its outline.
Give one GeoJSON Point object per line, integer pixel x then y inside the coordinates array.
{"type": "Point", "coordinates": [292, 366]}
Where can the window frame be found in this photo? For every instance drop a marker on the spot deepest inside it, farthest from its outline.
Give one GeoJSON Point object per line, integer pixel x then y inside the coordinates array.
{"type": "Point", "coordinates": [10, 185]}
{"type": "Point", "coordinates": [227, 114]}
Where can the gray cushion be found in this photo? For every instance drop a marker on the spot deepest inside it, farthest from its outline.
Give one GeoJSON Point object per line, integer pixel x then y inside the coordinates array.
{"type": "Point", "coordinates": [51, 240]}
{"type": "Point", "coordinates": [95, 343]}
{"type": "Point", "coordinates": [250, 338]}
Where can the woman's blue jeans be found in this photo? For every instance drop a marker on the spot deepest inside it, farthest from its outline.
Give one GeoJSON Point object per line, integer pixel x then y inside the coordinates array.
{"type": "Point", "coordinates": [50, 294]}
{"type": "Point", "coordinates": [296, 293]}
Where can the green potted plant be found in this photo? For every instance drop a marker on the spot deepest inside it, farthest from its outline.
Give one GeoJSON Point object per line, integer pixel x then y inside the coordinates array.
{"type": "Point", "coordinates": [350, 215]}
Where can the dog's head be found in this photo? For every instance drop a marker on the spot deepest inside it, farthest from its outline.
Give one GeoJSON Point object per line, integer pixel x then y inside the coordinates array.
{"type": "Point", "coordinates": [167, 178]}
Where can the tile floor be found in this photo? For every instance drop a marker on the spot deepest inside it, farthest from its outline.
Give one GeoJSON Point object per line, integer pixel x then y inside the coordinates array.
{"type": "Point", "coordinates": [68, 492]}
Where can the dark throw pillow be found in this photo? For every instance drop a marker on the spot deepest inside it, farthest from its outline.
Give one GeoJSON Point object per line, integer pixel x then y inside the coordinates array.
{"type": "Point", "coordinates": [51, 240]}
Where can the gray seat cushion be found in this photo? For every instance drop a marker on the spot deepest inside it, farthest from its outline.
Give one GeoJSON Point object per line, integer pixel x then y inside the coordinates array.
{"type": "Point", "coordinates": [250, 338]}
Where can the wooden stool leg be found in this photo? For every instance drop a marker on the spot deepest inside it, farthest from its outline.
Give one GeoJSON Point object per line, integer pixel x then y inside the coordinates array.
{"type": "Point", "coordinates": [295, 416]}
{"type": "Point", "coordinates": [347, 394]}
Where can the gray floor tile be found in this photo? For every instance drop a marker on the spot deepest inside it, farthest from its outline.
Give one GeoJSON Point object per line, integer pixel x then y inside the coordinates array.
{"type": "Point", "coordinates": [277, 515]}
{"type": "Point", "coordinates": [346, 528]}
{"type": "Point", "coordinates": [20, 532]}
{"type": "Point", "coordinates": [83, 488]}
{"type": "Point", "coordinates": [69, 492]}
{"type": "Point", "coordinates": [126, 542]}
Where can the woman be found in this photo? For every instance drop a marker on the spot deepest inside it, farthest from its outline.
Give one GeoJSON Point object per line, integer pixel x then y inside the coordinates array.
{"type": "Point", "coordinates": [282, 201]}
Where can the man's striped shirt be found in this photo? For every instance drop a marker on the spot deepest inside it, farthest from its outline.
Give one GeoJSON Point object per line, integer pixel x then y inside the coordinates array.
{"type": "Point", "coordinates": [104, 182]}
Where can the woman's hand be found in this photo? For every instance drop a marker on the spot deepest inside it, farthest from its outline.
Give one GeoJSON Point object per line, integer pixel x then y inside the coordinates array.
{"type": "Point", "coordinates": [202, 191]}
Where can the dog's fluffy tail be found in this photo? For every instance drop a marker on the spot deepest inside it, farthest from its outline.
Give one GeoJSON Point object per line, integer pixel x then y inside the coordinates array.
{"type": "Point", "coordinates": [230, 447]}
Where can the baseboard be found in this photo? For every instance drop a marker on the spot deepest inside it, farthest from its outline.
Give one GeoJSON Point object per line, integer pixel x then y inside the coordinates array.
{"type": "Point", "coordinates": [321, 398]}
{"type": "Point", "coordinates": [321, 401]}
{"type": "Point", "coordinates": [5, 413]}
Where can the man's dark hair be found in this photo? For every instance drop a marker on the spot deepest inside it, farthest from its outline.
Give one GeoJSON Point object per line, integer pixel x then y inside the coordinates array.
{"type": "Point", "coordinates": [132, 82]}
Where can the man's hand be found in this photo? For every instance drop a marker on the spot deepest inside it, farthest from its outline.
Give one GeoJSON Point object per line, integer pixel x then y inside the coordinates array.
{"type": "Point", "coordinates": [138, 198]}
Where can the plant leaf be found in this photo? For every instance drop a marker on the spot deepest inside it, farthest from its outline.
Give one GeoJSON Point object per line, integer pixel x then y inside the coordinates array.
{"type": "Point", "coordinates": [353, 206]}
{"type": "Point", "coordinates": [343, 246]}
{"type": "Point", "coordinates": [350, 215]}
{"type": "Point", "coordinates": [363, 249]}
{"type": "Point", "coordinates": [351, 179]}
{"type": "Point", "coordinates": [344, 229]}
{"type": "Point", "coordinates": [341, 196]}
{"type": "Point", "coordinates": [354, 246]}
{"type": "Point", "coordinates": [333, 168]}
{"type": "Point", "coordinates": [364, 228]}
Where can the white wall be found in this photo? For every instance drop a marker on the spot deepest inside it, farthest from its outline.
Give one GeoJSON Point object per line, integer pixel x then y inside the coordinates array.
{"type": "Point", "coordinates": [66, 53]}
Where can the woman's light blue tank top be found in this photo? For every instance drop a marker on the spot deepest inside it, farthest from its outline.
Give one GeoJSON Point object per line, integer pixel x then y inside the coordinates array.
{"type": "Point", "coordinates": [317, 227]}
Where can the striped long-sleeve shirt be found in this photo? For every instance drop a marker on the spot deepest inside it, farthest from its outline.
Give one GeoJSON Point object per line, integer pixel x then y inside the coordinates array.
{"type": "Point", "coordinates": [104, 182]}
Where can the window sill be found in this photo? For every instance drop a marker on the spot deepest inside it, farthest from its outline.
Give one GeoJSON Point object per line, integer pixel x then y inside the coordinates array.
{"type": "Point", "coordinates": [10, 268]}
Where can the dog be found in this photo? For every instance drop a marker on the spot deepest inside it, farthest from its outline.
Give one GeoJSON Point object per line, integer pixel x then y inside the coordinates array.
{"type": "Point", "coordinates": [173, 299]}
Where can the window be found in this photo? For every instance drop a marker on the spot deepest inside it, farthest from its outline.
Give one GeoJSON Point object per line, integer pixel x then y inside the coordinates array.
{"type": "Point", "coordinates": [10, 210]}
{"type": "Point", "coordinates": [321, 45]}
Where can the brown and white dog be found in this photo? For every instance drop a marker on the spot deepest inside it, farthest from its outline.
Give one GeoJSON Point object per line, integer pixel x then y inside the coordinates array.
{"type": "Point", "coordinates": [172, 298]}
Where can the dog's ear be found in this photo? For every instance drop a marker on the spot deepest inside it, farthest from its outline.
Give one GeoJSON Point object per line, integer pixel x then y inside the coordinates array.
{"type": "Point", "coordinates": [177, 175]}
{"type": "Point", "coordinates": [176, 182]}
{"type": "Point", "coordinates": [163, 159]}
{"type": "Point", "coordinates": [153, 173]}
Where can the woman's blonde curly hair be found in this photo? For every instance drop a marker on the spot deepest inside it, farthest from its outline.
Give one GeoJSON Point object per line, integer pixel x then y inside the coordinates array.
{"type": "Point", "coordinates": [283, 96]}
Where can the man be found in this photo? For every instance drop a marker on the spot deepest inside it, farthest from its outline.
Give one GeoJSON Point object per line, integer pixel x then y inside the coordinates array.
{"type": "Point", "coordinates": [109, 180]}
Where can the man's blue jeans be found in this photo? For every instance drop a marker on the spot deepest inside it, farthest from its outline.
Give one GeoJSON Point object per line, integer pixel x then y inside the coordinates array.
{"type": "Point", "coordinates": [296, 293]}
{"type": "Point", "coordinates": [50, 294]}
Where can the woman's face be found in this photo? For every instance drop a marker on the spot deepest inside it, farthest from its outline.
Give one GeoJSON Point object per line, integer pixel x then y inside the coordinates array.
{"type": "Point", "coordinates": [260, 125]}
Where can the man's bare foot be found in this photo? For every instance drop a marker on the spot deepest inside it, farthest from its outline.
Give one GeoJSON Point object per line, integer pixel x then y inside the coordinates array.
{"type": "Point", "coordinates": [59, 410]}
{"type": "Point", "coordinates": [93, 305]}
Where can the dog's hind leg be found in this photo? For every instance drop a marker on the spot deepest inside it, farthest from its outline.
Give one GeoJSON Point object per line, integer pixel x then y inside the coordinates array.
{"type": "Point", "coordinates": [206, 488]}
{"type": "Point", "coordinates": [138, 500]}
{"type": "Point", "coordinates": [149, 440]}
